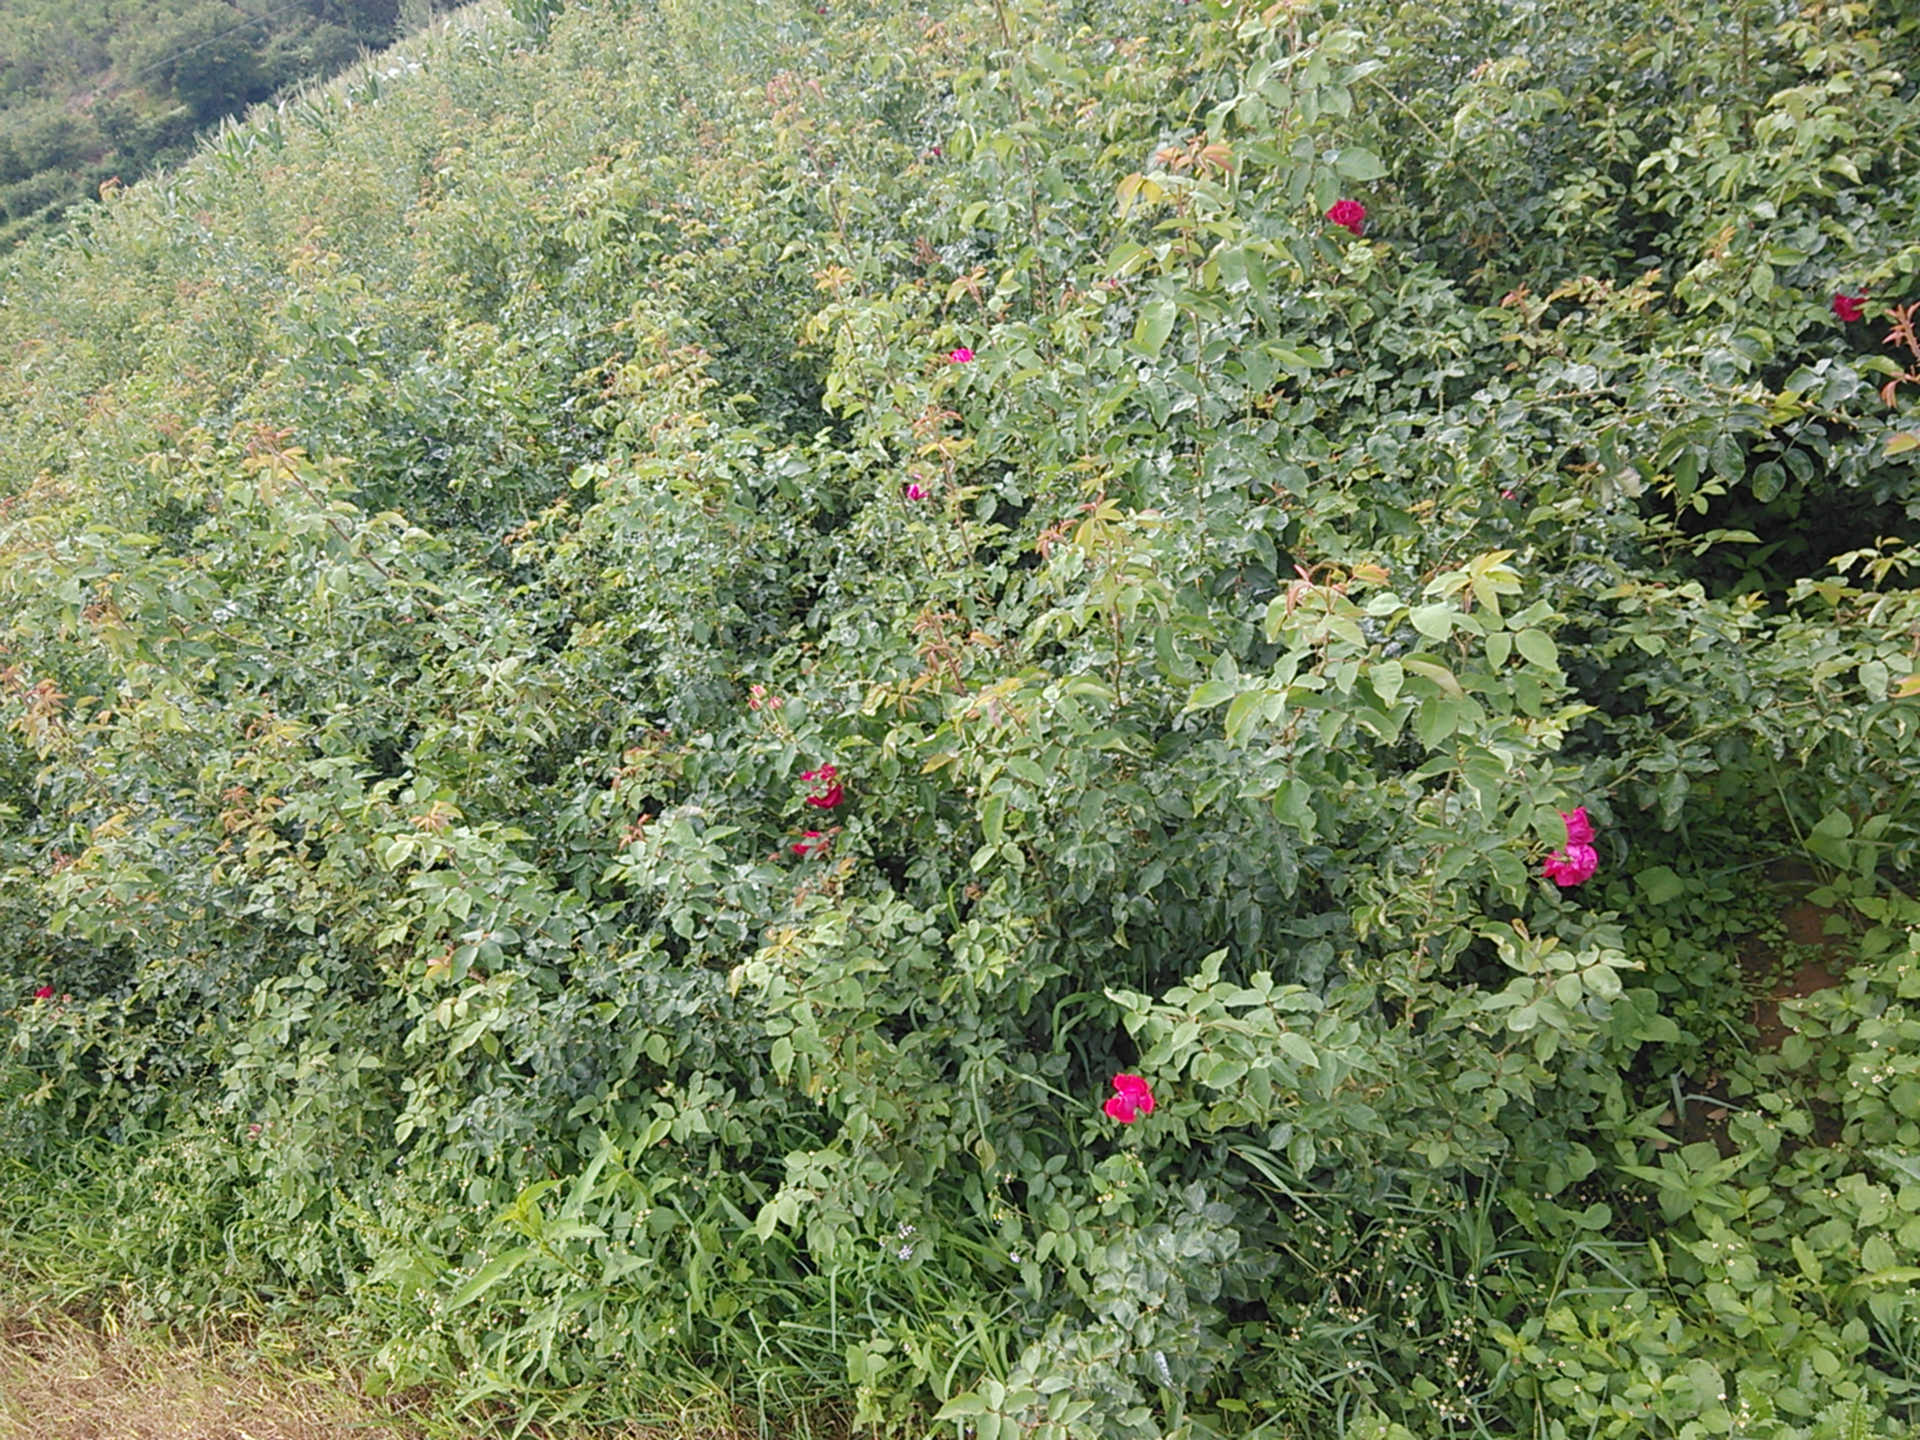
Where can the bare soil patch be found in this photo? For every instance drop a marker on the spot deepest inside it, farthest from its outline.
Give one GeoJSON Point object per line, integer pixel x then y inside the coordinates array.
{"type": "Point", "coordinates": [64, 1378]}
{"type": "Point", "coordinates": [1808, 926]}
{"type": "Point", "coordinates": [1818, 940]}
{"type": "Point", "coordinates": [61, 1380]}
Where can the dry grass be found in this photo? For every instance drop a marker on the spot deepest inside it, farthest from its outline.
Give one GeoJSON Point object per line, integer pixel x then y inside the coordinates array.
{"type": "Point", "coordinates": [60, 1380]}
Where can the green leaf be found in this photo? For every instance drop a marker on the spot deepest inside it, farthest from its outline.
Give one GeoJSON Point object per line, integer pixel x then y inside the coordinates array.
{"type": "Point", "coordinates": [1877, 1253]}
{"type": "Point", "coordinates": [961, 1407]}
{"type": "Point", "coordinates": [1437, 673]}
{"type": "Point", "coordinates": [1434, 621]}
{"type": "Point", "coordinates": [993, 811]}
{"type": "Point", "coordinates": [1435, 720]}
{"type": "Point", "coordinates": [1831, 839]}
{"type": "Point", "coordinates": [1223, 1073]}
{"type": "Point", "coordinates": [1835, 824]}
{"type": "Point", "coordinates": [1298, 1049]}
{"type": "Point", "coordinates": [488, 1276]}
{"type": "Point", "coordinates": [1353, 163]}
{"type": "Point", "coordinates": [1242, 713]}
{"type": "Point", "coordinates": [1155, 324]}
{"type": "Point", "coordinates": [1293, 805]}
{"type": "Point", "coordinates": [1211, 693]}
{"type": "Point", "coordinates": [1538, 647]}
{"type": "Point", "coordinates": [1659, 884]}
{"type": "Point", "coordinates": [1026, 770]}
{"type": "Point", "coordinates": [1728, 458]}
{"type": "Point", "coordinates": [1485, 776]}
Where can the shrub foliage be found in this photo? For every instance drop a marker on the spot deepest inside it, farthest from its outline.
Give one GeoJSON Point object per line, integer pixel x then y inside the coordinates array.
{"type": "Point", "coordinates": [450, 524]}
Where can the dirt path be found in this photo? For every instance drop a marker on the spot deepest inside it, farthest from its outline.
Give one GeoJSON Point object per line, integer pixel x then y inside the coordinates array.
{"type": "Point", "coordinates": [62, 1381]}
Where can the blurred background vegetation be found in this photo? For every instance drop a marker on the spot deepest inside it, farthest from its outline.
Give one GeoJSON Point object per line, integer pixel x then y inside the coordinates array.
{"type": "Point", "coordinates": [97, 90]}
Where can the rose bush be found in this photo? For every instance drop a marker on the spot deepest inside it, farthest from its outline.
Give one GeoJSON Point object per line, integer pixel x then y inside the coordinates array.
{"type": "Point", "coordinates": [446, 525]}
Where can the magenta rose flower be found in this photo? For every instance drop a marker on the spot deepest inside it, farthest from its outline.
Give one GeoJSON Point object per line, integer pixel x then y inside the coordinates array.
{"type": "Point", "coordinates": [1131, 1099]}
{"type": "Point", "coordinates": [1349, 215]}
{"type": "Point", "coordinates": [1849, 308]}
{"type": "Point", "coordinates": [1575, 864]}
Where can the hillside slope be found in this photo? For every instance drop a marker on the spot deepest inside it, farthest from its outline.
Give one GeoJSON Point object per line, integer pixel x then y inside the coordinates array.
{"type": "Point", "coordinates": [1065, 716]}
{"type": "Point", "coordinates": [95, 92]}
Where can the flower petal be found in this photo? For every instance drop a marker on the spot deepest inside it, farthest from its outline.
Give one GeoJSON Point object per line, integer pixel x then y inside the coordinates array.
{"type": "Point", "coordinates": [1135, 1091]}
{"type": "Point", "coordinates": [1572, 866]}
{"type": "Point", "coordinates": [1579, 827]}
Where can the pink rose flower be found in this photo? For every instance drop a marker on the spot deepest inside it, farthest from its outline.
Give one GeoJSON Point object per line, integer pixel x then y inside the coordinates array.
{"type": "Point", "coordinates": [1349, 215]}
{"type": "Point", "coordinates": [961, 356]}
{"type": "Point", "coordinates": [917, 491]}
{"type": "Point", "coordinates": [1849, 308]}
{"type": "Point", "coordinates": [1572, 866]}
{"type": "Point", "coordinates": [1131, 1099]}
{"type": "Point", "coordinates": [814, 844]}
{"type": "Point", "coordinates": [1575, 864]}
{"type": "Point", "coordinates": [45, 992]}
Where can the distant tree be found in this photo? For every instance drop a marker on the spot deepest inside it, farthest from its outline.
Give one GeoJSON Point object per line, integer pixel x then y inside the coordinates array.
{"type": "Point", "coordinates": [118, 122]}
{"type": "Point", "coordinates": [210, 59]}
{"type": "Point", "coordinates": [32, 195]}
{"type": "Point", "coordinates": [371, 22]}
{"type": "Point", "coordinates": [45, 137]}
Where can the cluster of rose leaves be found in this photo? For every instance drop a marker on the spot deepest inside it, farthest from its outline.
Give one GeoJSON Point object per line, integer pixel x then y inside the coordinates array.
{"type": "Point", "coordinates": [1132, 1097]}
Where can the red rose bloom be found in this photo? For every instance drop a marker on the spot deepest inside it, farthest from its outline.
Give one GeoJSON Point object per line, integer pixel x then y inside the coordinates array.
{"type": "Point", "coordinates": [814, 844]}
{"type": "Point", "coordinates": [1349, 215]}
{"type": "Point", "coordinates": [826, 792]}
{"type": "Point", "coordinates": [1849, 308]}
{"type": "Point", "coordinates": [45, 992]}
